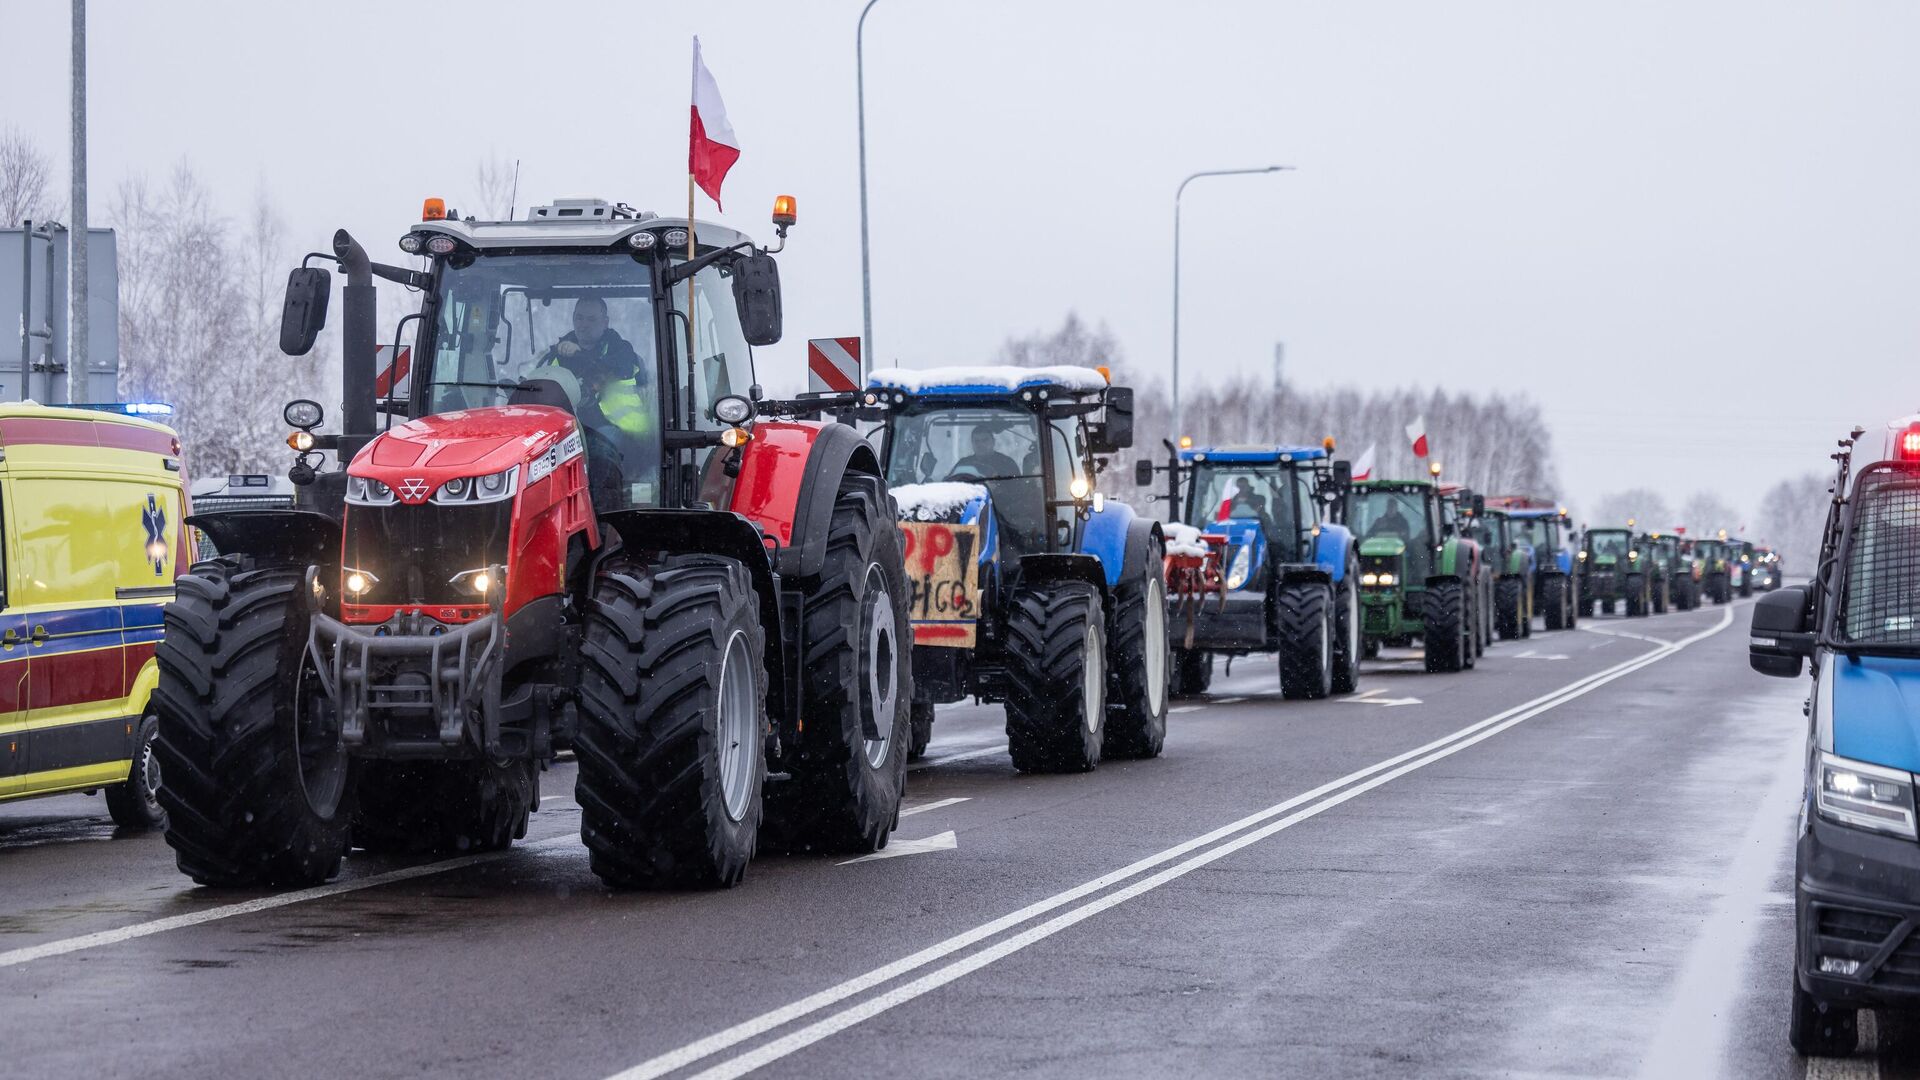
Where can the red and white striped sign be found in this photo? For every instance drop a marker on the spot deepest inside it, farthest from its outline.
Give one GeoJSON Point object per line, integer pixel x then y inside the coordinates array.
{"type": "Point", "coordinates": [392, 380]}
{"type": "Point", "coordinates": [833, 364]}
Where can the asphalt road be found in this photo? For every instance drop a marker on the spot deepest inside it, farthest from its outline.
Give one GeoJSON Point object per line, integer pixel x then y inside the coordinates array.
{"type": "Point", "coordinates": [1574, 861]}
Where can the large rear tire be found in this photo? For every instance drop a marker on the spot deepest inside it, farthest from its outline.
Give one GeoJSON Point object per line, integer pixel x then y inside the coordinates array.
{"type": "Point", "coordinates": [135, 805]}
{"type": "Point", "coordinates": [259, 788]}
{"type": "Point", "coordinates": [1636, 595]}
{"type": "Point", "coordinates": [442, 806]}
{"type": "Point", "coordinates": [1138, 657]}
{"type": "Point", "coordinates": [1192, 672]}
{"type": "Point", "coordinates": [1445, 636]}
{"type": "Point", "coordinates": [1557, 605]}
{"type": "Point", "coordinates": [1506, 606]}
{"type": "Point", "coordinates": [920, 722]}
{"type": "Point", "coordinates": [1056, 677]}
{"type": "Point", "coordinates": [672, 723]}
{"type": "Point", "coordinates": [849, 767]}
{"type": "Point", "coordinates": [1306, 640]}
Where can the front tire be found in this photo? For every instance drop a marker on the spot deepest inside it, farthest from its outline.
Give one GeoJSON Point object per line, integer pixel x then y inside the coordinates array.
{"type": "Point", "coordinates": [135, 805]}
{"type": "Point", "coordinates": [259, 788]}
{"type": "Point", "coordinates": [1306, 640]}
{"type": "Point", "coordinates": [672, 722]}
{"type": "Point", "coordinates": [1347, 648]}
{"type": "Point", "coordinates": [920, 726]}
{"type": "Point", "coordinates": [850, 769]}
{"type": "Point", "coordinates": [1559, 606]}
{"type": "Point", "coordinates": [1506, 606]}
{"type": "Point", "coordinates": [1056, 676]}
{"type": "Point", "coordinates": [1138, 659]}
{"type": "Point", "coordinates": [1636, 596]}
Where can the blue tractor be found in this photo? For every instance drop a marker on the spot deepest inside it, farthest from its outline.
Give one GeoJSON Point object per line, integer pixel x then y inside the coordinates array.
{"type": "Point", "coordinates": [1028, 586]}
{"type": "Point", "coordinates": [1292, 578]}
{"type": "Point", "coordinates": [1556, 588]}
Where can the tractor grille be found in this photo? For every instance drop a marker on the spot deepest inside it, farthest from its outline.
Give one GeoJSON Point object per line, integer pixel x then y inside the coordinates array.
{"type": "Point", "coordinates": [1881, 601]}
{"type": "Point", "coordinates": [413, 551]}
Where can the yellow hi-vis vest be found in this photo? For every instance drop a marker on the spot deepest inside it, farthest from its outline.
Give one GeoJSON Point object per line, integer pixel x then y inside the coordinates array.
{"type": "Point", "coordinates": [626, 408]}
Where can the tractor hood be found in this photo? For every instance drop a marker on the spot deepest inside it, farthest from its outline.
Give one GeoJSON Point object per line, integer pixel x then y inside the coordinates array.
{"type": "Point", "coordinates": [415, 458]}
{"type": "Point", "coordinates": [1380, 546]}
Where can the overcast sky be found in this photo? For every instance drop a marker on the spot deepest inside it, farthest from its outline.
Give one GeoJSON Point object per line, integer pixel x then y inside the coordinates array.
{"type": "Point", "coordinates": [1689, 229]}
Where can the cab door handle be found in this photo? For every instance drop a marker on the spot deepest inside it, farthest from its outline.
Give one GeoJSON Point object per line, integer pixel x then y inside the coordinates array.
{"type": "Point", "coordinates": [9, 639]}
{"type": "Point", "coordinates": [40, 635]}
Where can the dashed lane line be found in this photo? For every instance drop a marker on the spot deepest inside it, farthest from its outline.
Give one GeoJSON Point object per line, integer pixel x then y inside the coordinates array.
{"type": "Point", "coordinates": [1341, 790]}
{"type": "Point", "coordinates": [964, 755]}
{"type": "Point", "coordinates": [935, 805]}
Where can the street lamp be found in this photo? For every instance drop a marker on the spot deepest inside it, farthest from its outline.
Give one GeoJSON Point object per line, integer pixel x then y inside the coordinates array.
{"type": "Point", "coordinates": [867, 354]}
{"type": "Point", "coordinates": [1176, 258]}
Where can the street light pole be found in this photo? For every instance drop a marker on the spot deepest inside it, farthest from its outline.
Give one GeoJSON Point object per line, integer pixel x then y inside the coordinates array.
{"type": "Point", "coordinates": [77, 335]}
{"type": "Point", "coordinates": [867, 353]}
{"type": "Point", "coordinates": [1178, 192]}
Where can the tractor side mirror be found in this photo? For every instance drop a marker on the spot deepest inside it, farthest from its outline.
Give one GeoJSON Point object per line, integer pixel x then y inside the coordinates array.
{"type": "Point", "coordinates": [1115, 431]}
{"type": "Point", "coordinates": [756, 292]}
{"type": "Point", "coordinates": [1479, 505]}
{"type": "Point", "coordinates": [1343, 474]}
{"type": "Point", "coordinates": [304, 314]}
{"type": "Point", "coordinates": [1143, 473]}
{"type": "Point", "coordinates": [1782, 633]}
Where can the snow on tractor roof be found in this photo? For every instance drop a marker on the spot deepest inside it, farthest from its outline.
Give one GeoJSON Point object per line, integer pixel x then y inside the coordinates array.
{"type": "Point", "coordinates": [936, 501]}
{"type": "Point", "coordinates": [986, 381]}
{"type": "Point", "coordinates": [1253, 455]}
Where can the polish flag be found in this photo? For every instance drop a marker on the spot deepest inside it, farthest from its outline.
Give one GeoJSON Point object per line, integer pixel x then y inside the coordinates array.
{"type": "Point", "coordinates": [1231, 493]}
{"type": "Point", "coordinates": [1363, 469]}
{"type": "Point", "coordinates": [713, 148]}
{"type": "Point", "coordinates": [1417, 434]}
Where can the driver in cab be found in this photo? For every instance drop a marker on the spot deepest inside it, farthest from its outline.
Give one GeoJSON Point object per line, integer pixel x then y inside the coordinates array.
{"type": "Point", "coordinates": [985, 461]}
{"type": "Point", "coordinates": [608, 368]}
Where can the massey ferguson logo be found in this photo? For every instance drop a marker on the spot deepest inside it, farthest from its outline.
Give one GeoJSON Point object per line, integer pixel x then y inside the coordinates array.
{"type": "Point", "coordinates": [413, 489]}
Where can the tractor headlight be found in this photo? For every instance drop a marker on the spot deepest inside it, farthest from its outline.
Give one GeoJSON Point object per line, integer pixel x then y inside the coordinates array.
{"type": "Point", "coordinates": [478, 581]}
{"type": "Point", "coordinates": [366, 491]}
{"type": "Point", "coordinates": [1079, 488]}
{"type": "Point", "coordinates": [1369, 579]}
{"type": "Point", "coordinates": [1582, 556]}
{"type": "Point", "coordinates": [1633, 554]}
{"type": "Point", "coordinates": [1386, 579]}
{"type": "Point", "coordinates": [359, 582]}
{"type": "Point", "coordinates": [1242, 567]}
{"type": "Point", "coordinates": [1865, 796]}
{"type": "Point", "coordinates": [478, 489]}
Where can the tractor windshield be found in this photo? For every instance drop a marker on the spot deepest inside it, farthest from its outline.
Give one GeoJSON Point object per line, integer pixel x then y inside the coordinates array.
{"type": "Point", "coordinates": [994, 445]}
{"type": "Point", "coordinates": [1608, 543]}
{"type": "Point", "coordinates": [1400, 513]}
{"type": "Point", "coordinates": [583, 323]}
{"type": "Point", "coordinates": [1269, 494]}
{"type": "Point", "coordinates": [1536, 532]}
{"type": "Point", "coordinates": [1880, 597]}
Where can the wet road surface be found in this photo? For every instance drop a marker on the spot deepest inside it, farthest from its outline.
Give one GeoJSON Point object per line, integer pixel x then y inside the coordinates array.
{"type": "Point", "coordinates": [1574, 861]}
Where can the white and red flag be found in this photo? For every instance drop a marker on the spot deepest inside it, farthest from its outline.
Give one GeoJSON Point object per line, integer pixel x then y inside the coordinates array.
{"type": "Point", "coordinates": [1417, 435]}
{"type": "Point", "coordinates": [1363, 469]}
{"type": "Point", "coordinates": [713, 148]}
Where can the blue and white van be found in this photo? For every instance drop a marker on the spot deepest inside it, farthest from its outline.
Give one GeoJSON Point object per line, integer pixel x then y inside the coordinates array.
{"type": "Point", "coordinates": [1857, 863]}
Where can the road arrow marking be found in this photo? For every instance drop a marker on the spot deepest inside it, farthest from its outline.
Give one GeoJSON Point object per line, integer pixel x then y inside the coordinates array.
{"type": "Point", "coordinates": [924, 807]}
{"type": "Point", "coordinates": [1372, 697]}
{"type": "Point", "coordinates": [945, 841]}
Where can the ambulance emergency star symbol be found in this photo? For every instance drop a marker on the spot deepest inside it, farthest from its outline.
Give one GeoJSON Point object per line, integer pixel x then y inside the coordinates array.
{"type": "Point", "coordinates": [155, 521]}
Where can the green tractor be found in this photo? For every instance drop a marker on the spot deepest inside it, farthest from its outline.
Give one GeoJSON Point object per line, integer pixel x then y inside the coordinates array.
{"type": "Point", "coordinates": [1715, 575]}
{"type": "Point", "coordinates": [1419, 572]}
{"type": "Point", "coordinates": [1657, 558]}
{"type": "Point", "coordinates": [1674, 562]}
{"type": "Point", "coordinates": [1614, 573]}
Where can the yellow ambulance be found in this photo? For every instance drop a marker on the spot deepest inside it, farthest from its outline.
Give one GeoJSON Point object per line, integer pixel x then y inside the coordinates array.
{"type": "Point", "coordinates": [91, 535]}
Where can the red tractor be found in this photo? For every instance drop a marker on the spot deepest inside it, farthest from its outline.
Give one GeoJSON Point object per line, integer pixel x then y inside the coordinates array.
{"type": "Point", "coordinates": [581, 529]}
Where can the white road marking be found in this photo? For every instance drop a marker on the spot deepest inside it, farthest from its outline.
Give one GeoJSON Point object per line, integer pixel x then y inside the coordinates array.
{"type": "Point", "coordinates": [1531, 655]}
{"type": "Point", "coordinates": [14, 957]}
{"type": "Point", "coordinates": [1185, 708]}
{"type": "Point", "coordinates": [1227, 701]}
{"type": "Point", "coordinates": [1624, 634]}
{"type": "Point", "coordinates": [935, 805]}
{"type": "Point", "coordinates": [964, 755]}
{"type": "Point", "coordinates": [1400, 764]}
{"type": "Point", "coordinates": [1372, 697]}
{"type": "Point", "coordinates": [945, 841]}
{"type": "Point", "coordinates": [1694, 1028]}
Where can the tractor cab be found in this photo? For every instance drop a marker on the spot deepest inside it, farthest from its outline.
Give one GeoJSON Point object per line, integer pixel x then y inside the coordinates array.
{"type": "Point", "coordinates": [1545, 530]}
{"type": "Point", "coordinates": [1397, 519]}
{"type": "Point", "coordinates": [1269, 501]}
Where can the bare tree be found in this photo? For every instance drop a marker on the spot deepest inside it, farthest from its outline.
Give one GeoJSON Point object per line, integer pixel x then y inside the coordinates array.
{"type": "Point", "coordinates": [26, 181]}
{"type": "Point", "coordinates": [1074, 343]}
{"type": "Point", "coordinates": [1706, 513]}
{"type": "Point", "coordinates": [1791, 516]}
{"type": "Point", "coordinates": [493, 181]}
{"type": "Point", "coordinates": [1643, 506]}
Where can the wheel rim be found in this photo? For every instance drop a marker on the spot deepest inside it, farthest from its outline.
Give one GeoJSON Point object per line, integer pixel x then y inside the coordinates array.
{"type": "Point", "coordinates": [1156, 643]}
{"type": "Point", "coordinates": [321, 756]}
{"type": "Point", "coordinates": [1093, 678]}
{"type": "Point", "coordinates": [734, 715]}
{"type": "Point", "coordinates": [150, 766]}
{"type": "Point", "coordinates": [883, 666]}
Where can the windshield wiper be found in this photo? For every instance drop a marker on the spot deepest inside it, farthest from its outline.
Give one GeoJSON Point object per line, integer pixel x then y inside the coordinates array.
{"type": "Point", "coordinates": [493, 385]}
